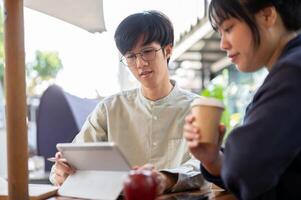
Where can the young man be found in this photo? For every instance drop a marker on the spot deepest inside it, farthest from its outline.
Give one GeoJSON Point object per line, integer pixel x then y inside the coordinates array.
{"type": "Point", "coordinates": [147, 122]}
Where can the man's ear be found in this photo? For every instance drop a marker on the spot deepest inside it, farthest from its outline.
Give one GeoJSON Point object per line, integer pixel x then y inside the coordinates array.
{"type": "Point", "coordinates": [168, 50]}
{"type": "Point", "coordinates": [268, 16]}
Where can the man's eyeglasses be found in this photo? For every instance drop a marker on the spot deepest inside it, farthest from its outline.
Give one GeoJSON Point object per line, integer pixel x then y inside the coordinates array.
{"type": "Point", "coordinates": [130, 59]}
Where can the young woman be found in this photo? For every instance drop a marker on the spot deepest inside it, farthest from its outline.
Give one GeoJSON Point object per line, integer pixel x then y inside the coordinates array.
{"type": "Point", "coordinates": [262, 157]}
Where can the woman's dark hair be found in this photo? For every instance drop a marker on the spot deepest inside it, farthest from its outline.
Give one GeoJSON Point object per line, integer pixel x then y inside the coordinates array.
{"type": "Point", "coordinates": [245, 10]}
{"type": "Point", "coordinates": [152, 25]}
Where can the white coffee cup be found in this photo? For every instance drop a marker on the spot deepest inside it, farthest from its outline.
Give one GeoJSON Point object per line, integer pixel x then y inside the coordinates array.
{"type": "Point", "coordinates": [207, 112]}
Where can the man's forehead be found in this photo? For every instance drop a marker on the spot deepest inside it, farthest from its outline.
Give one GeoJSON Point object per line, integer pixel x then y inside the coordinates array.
{"type": "Point", "coordinates": [140, 46]}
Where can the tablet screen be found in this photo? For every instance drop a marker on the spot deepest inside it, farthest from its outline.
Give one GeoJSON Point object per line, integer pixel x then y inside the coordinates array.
{"type": "Point", "coordinates": [103, 156]}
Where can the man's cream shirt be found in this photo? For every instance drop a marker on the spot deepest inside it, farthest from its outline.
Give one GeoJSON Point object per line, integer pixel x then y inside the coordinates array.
{"type": "Point", "coordinates": [147, 131]}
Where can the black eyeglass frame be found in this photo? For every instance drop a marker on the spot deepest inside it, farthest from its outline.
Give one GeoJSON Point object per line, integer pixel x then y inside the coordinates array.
{"type": "Point", "coordinates": [123, 59]}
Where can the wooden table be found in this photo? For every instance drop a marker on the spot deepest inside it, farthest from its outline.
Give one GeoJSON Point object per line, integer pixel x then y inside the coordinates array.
{"type": "Point", "coordinates": [209, 190]}
{"type": "Point", "coordinates": [213, 193]}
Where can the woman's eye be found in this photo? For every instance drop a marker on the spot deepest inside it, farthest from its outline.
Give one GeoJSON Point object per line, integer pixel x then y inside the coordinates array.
{"type": "Point", "coordinates": [228, 29]}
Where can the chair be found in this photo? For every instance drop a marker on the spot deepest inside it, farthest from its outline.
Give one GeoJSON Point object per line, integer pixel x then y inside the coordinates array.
{"type": "Point", "coordinates": [59, 118]}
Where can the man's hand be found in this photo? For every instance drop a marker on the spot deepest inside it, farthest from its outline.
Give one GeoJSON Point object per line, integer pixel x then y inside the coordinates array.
{"type": "Point", "coordinates": [164, 180]}
{"type": "Point", "coordinates": [62, 169]}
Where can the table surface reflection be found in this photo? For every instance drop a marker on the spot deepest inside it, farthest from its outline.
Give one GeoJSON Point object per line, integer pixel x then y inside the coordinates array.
{"type": "Point", "coordinates": [206, 193]}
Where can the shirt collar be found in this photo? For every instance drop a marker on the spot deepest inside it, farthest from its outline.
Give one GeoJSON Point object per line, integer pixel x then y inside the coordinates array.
{"type": "Point", "coordinates": [173, 93]}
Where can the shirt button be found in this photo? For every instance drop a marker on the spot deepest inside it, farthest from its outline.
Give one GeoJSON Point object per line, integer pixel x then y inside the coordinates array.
{"type": "Point", "coordinates": [155, 118]}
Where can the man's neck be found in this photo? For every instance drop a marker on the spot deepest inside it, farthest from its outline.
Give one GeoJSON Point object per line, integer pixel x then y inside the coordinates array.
{"type": "Point", "coordinates": [158, 92]}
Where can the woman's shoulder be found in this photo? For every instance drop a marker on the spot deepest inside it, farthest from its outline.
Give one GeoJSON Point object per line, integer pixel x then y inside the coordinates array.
{"type": "Point", "coordinates": [291, 56]}
{"type": "Point", "coordinates": [289, 63]}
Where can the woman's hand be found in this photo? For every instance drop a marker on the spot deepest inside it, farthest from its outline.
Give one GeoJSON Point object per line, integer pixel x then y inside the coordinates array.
{"type": "Point", "coordinates": [208, 154]}
{"type": "Point", "coordinates": [62, 169]}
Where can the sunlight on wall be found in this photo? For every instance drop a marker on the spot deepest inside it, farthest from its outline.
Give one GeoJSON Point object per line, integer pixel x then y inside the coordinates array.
{"type": "Point", "coordinates": [91, 60]}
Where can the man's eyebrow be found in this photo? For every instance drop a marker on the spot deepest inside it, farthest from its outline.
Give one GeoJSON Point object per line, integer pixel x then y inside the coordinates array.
{"type": "Point", "coordinates": [147, 46]}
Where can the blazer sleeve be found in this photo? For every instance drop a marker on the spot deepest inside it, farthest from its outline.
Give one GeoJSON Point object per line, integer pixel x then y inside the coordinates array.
{"type": "Point", "coordinates": [260, 151]}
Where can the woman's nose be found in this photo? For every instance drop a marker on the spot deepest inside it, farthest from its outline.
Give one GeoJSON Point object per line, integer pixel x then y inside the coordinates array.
{"type": "Point", "coordinates": [224, 43]}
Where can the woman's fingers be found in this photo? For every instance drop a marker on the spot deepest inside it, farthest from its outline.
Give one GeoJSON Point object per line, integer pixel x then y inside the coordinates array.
{"type": "Point", "coordinates": [193, 143]}
{"type": "Point", "coordinates": [189, 118]}
{"type": "Point", "coordinates": [191, 133]}
{"type": "Point", "coordinates": [222, 128]}
{"type": "Point", "coordinates": [222, 131]}
{"type": "Point", "coordinates": [189, 128]}
{"type": "Point", "coordinates": [192, 139]}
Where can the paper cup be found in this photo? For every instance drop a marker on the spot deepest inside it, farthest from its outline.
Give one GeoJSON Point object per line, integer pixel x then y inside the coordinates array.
{"type": "Point", "coordinates": [207, 113]}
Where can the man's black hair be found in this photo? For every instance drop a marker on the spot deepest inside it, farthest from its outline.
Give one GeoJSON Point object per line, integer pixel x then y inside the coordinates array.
{"type": "Point", "coordinates": [153, 26]}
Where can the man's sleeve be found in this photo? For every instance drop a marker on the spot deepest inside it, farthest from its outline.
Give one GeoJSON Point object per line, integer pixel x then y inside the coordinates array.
{"type": "Point", "coordinates": [52, 176]}
{"type": "Point", "coordinates": [95, 127]}
{"type": "Point", "coordinates": [188, 176]}
{"type": "Point", "coordinates": [93, 130]}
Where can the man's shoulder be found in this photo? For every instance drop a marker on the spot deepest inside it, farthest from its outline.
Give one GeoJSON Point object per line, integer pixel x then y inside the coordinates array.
{"type": "Point", "coordinates": [187, 94]}
{"type": "Point", "coordinates": [123, 96]}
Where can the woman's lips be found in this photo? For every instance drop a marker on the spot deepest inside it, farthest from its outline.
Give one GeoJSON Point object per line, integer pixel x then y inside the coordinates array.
{"type": "Point", "coordinates": [233, 57]}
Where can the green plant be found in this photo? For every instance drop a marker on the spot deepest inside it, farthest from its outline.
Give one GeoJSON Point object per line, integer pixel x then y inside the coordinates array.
{"type": "Point", "coordinates": [44, 68]}
{"type": "Point", "coordinates": [217, 91]}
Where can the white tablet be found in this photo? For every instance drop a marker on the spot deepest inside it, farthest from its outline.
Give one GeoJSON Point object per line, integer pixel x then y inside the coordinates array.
{"type": "Point", "coordinates": [104, 156]}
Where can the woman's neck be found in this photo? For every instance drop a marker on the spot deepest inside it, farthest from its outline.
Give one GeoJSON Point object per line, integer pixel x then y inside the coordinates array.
{"type": "Point", "coordinates": [279, 49]}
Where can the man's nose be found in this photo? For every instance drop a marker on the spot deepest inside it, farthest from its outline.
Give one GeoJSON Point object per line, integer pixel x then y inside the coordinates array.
{"type": "Point", "coordinates": [139, 61]}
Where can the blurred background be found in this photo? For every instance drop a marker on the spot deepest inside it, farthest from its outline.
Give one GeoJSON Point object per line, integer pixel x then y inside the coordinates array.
{"type": "Point", "coordinates": [69, 70]}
